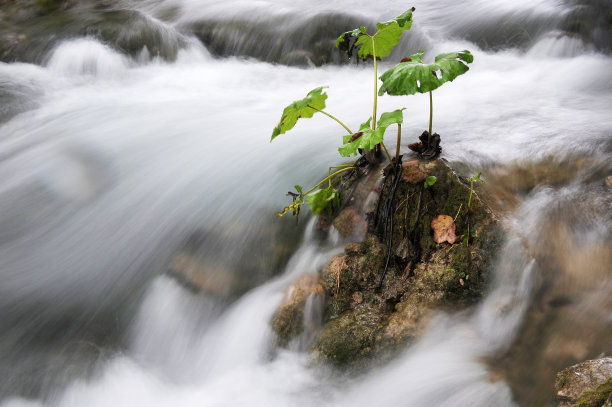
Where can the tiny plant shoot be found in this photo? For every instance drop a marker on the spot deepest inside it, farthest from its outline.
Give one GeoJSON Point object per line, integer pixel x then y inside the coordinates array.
{"type": "Point", "coordinates": [472, 180]}
{"type": "Point", "coordinates": [371, 132]}
{"type": "Point", "coordinates": [469, 207]}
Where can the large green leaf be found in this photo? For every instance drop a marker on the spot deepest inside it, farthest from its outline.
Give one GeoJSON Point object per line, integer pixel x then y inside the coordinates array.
{"type": "Point", "coordinates": [412, 76]}
{"type": "Point", "coordinates": [326, 198]}
{"type": "Point", "coordinates": [368, 137]}
{"type": "Point", "coordinates": [300, 109]}
{"type": "Point", "coordinates": [381, 43]}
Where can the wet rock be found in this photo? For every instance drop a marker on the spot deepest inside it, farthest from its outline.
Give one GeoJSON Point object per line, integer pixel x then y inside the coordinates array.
{"type": "Point", "coordinates": [350, 338]}
{"type": "Point", "coordinates": [198, 276]}
{"type": "Point", "coordinates": [29, 29]}
{"type": "Point", "coordinates": [587, 384]}
{"type": "Point", "coordinates": [367, 319]}
{"type": "Point", "coordinates": [508, 184]}
{"type": "Point", "coordinates": [299, 57]}
{"type": "Point", "coordinates": [359, 194]}
{"type": "Point", "coordinates": [405, 324]}
{"type": "Point", "coordinates": [357, 298]}
{"type": "Point", "coordinates": [350, 223]}
{"type": "Point", "coordinates": [412, 174]}
{"type": "Point", "coordinates": [206, 261]}
{"type": "Point", "coordinates": [301, 40]}
{"type": "Point", "coordinates": [354, 248]}
{"type": "Point", "coordinates": [288, 320]}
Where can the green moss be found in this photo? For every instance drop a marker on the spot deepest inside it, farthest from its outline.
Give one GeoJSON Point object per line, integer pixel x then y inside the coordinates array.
{"type": "Point", "coordinates": [349, 338]}
{"type": "Point", "coordinates": [597, 397]}
{"type": "Point", "coordinates": [48, 6]}
{"type": "Point", "coordinates": [561, 380]}
{"type": "Point", "coordinates": [461, 260]}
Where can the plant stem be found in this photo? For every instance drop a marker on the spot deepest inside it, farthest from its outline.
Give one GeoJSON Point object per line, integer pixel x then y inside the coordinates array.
{"type": "Point", "coordinates": [430, 115]}
{"type": "Point", "coordinates": [399, 139]}
{"type": "Point", "coordinates": [458, 210]}
{"type": "Point", "coordinates": [327, 178]}
{"type": "Point", "coordinates": [470, 198]}
{"type": "Point", "coordinates": [336, 166]}
{"type": "Point", "coordinates": [375, 85]}
{"type": "Point", "coordinates": [332, 117]}
{"type": "Point", "coordinates": [388, 156]}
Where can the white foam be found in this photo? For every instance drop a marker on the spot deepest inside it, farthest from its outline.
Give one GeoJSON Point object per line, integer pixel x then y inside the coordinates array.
{"type": "Point", "coordinates": [86, 56]}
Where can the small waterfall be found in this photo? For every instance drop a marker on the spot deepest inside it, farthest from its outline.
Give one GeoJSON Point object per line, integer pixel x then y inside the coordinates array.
{"type": "Point", "coordinates": [87, 57]}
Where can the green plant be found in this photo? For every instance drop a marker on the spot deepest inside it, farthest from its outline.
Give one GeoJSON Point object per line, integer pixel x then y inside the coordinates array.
{"type": "Point", "coordinates": [473, 233]}
{"type": "Point", "coordinates": [371, 132]}
{"type": "Point", "coordinates": [378, 45]}
{"type": "Point", "coordinates": [406, 78]}
{"type": "Point", "coordinates": [429, 181]}
{"type": "Point", "coordinates": [413, 76]}
{"type": "Point", "coordinates": [472, 180]}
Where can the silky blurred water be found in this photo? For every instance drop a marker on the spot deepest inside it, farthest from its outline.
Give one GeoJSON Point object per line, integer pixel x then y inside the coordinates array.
{"type": "Point", "coordinates": [110, 162]}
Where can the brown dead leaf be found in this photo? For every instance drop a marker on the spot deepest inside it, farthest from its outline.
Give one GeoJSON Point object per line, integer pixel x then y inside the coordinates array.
{"type": "Point", "coordinates": [444, 229]}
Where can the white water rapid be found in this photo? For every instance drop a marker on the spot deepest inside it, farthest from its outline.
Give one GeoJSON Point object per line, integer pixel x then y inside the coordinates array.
{"type": "Point", "coordinates": [109, 162]}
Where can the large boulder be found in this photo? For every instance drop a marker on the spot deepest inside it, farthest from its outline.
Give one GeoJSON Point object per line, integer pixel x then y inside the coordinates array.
{"type": "Point", "coordinates": [382, 291]}
{"type": "Point", "coordinates": [30, 30]}
{"type": "Point", "coordinates": [587, 384]}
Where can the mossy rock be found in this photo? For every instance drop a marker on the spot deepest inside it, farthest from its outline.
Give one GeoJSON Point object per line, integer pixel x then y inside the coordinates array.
{"type": "Point", "coordinates": [288, 321]}
{"type": "Point", "coordinates": [586, 384]}
{"type": "Point", "coordinates": [351, 272]}
{"type": "Point", "coordinates": [368, 319]}
{"type": "Point", "coordinates": [597, 397]}
{"type": "Point", "coordinates": [349, 339]}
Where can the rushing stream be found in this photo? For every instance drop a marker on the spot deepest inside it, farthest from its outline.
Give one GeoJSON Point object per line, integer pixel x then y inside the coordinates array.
{"type": "Point", "coordinates": [111, 163]}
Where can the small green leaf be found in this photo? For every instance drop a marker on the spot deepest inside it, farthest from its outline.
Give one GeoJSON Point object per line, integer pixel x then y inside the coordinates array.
{"type": "Point", "coordinates": [381, 43]}
{"type": "Point", "coordinates": [410, 77]}
{"type": "Point", "coordinates": [300, 109]}
{"type": "Point", "coordinates": [326, 198]}
{"type": "Point", "coordinates": [389, 118]}
{"type": "Point", "coordinates": [369, 138]}
{"type": "Point", "coordinates": [429, 181]}
{"type": "Point", "coordinates": [298, 188]}
{"type": "Point", "coordinates": [345, 36]}
{"type": "Point", "coordinates": [477, 178]}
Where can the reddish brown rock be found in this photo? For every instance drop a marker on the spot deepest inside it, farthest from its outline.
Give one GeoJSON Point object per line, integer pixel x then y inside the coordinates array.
{"type": "Point", "coordinates": [412, 174]}
{"type": "Point", "coordinates": [288, 321]}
